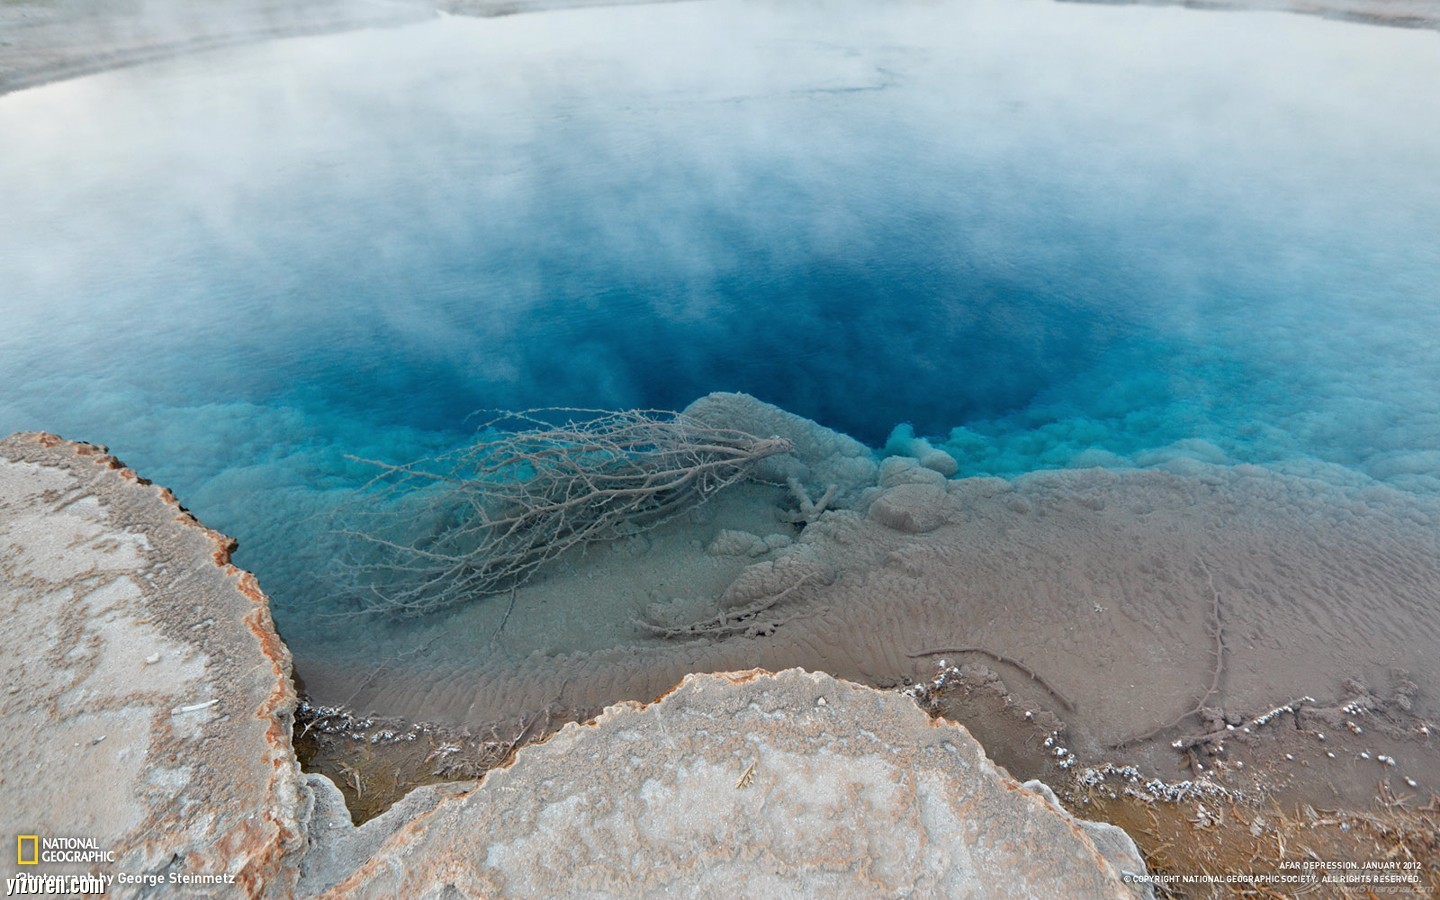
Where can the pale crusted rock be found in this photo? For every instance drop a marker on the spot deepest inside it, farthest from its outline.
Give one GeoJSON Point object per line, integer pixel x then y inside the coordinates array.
{"type": "Point", "coordinates": [913, 508]}
{"type": "Point", "coordinates": [336, 847]}
{"type": "Point", "coordinates": [897, 470]}
{"type": "Point", "coordinates": [737, 543]}
{"type": "Point", "coordinates": [678, 612]}
{"type": "Point", "coordinates": [774, 578]}
{"type": "Point", "coordinates": [742, 543]}
{"type": "Point", "coordinates": [940, 461]}
{"type": "Point", "coordinates": [1111, 840]}
{"type": "Point", "coordinates": [147, 701]}
{"type": "Point", "coordinates": [748, 784]}
{"type": "Point", "coordinates": [974, 490]}
{"type": "Point", "coordinates": [778, 541]}
{"type": "Point", "coordinates": [821, 457]}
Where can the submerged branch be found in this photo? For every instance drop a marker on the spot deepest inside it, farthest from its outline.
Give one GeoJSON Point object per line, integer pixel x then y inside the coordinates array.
{"type": "Point", "coordinates": [1218, 633]}
{"type": "Point", "coordinates": [484, 519]}
{"type": "Point", "coordinates": [1009, 661]}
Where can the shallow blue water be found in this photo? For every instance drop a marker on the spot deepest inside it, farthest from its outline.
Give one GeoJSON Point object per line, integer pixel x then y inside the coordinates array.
{"type": "Point", "coordinates": [1044, 235]}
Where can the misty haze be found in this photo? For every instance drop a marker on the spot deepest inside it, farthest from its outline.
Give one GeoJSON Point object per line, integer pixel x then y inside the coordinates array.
{"type": "Point", "coordinates": [1169, 274]}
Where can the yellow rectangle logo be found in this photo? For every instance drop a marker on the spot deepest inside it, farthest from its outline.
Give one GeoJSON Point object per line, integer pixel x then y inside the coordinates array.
{"type": "Point", "coordinates": [20, 841]}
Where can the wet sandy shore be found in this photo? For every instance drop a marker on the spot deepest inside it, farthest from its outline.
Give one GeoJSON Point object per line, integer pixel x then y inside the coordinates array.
{"type": "Point", "coordinates": [42, 41]}
{"type": "Point", "coordinates": [51, 40]}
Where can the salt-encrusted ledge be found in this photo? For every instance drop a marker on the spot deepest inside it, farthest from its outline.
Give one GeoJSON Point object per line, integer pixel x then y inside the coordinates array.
{"type": "Point", "coordinates": [145, 699]}
{"type": "Point", "coordinates": [749, 784]}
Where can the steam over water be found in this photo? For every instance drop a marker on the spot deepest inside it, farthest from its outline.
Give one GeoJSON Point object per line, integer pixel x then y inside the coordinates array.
{"type": "Point", "coordinates": [1046, 235]}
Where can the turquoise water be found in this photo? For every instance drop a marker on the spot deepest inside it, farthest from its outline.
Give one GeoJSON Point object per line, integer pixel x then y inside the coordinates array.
{"type": "Point", "coordinates": [1045, 235]}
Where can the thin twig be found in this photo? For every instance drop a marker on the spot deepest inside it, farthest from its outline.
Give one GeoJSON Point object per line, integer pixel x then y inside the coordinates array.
{"type": "Point", "coordinates": [1214, 688]}
{"type": "Point", "coordinates": [508, 610]}
{"type": "Point", "coordinates": [809, 510]}
{"type": "Point", "coordinates": [740, 620]}
{"type": "Point", "coordinates": [1035, 676]}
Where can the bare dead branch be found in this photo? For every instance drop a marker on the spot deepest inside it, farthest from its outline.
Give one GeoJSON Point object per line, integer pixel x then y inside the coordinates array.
{"type": "Point", "coordinates": [730, 622]}
{"type": "Point", "coordinates": [809, 510]}
{"type": "Point", "coordinates": [484, 519]}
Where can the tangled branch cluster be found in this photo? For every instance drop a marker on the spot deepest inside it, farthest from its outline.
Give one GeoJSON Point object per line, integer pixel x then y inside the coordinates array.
{"type": "Point", "coordinates": [483, 519]}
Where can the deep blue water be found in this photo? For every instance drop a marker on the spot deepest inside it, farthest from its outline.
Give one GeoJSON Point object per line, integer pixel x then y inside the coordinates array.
{"type": "Point", "coordinates": [1044, 235]}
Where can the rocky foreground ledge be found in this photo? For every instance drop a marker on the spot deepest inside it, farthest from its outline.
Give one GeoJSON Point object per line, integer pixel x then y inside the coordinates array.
{"type": "Point", "coordinates": [145, 737]}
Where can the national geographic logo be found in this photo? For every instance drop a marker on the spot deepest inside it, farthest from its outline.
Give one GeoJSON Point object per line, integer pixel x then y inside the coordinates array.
{"type": "Point", "coordinates": [32, 849]}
